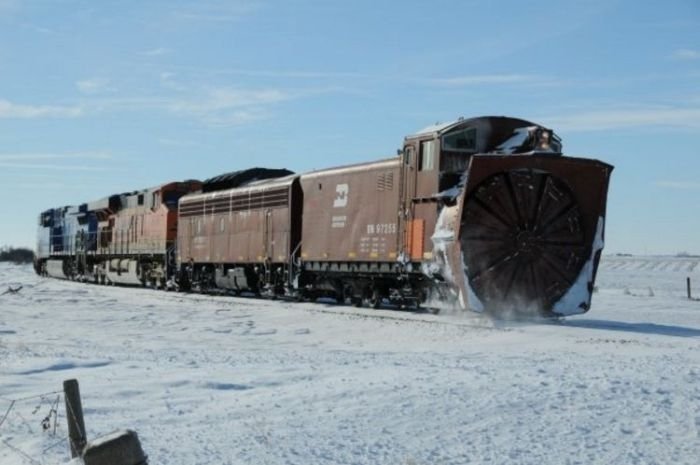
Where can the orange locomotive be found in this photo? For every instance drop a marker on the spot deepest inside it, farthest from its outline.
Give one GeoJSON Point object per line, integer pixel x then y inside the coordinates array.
{"type": "Point", "coordinates": [123, 239]}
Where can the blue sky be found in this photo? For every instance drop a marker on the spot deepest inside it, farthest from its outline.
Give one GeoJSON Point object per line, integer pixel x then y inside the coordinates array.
{"type": "Point", "coordinates": [99, 97]}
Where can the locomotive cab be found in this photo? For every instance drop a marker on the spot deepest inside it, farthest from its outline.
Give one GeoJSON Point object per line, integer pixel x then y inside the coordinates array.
{"type": "Point", "coordinates": [436, 162]}
{"type": "Point", "coordinates": [515, 226]}
{"type": "Point", "coordinates": [443, 151]}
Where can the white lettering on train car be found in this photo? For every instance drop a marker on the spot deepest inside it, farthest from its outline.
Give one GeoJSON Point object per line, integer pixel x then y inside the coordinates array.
{"type": "Point", "coordinates": [381, 228]}
{"type": "Point", "coordinates": [338, 221]}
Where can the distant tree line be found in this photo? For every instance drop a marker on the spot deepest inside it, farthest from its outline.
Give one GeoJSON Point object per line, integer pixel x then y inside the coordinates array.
{"type": "Point", "coordinates": [16, 255]}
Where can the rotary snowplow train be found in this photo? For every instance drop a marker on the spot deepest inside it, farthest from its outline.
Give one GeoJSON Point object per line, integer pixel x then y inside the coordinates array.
{"type": "Point", "coordinates": [484, 212]}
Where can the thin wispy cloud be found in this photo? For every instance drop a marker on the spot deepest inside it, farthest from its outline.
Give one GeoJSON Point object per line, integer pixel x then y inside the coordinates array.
{"type": "Point", "coordinates": [202, 73]}
{"type": "Point", "coordinates": [116, 104]}
{"type": "Point", "coordinates": [94, 86]}
{"type": "Point", "coordinates": [177, 75]}
{"type": "Point", "coordinates": [10, 110]}
{"type": "Point", "coordinates": [155, 52]}
{"type": "Point", "coordinates": [618, 118]}
{"type": "Point", "coordinates": [38, 29]}
{"type": "Point", "coordinates": [236, 118]}
{"type": "Point", "coordinates": [215, 11]}
{"type": "Point", "coordinates": [451, 81]}
{"type": "Point", "coordinates": [168, 81]}
{"type": "Point", "coordinates": [225, 98]}
{"type": "Point", "coordinates": [679, 185]}
{"type": "Point", "coordinates": [178, 142]}
{"type": "Point", "coordinates": [226, 106]}
{"type": "Point", "coordinates": [490, 79]}
{"type": "Point", "coordinates": [8, 157]}
{"type": "Point", "coordinates": [56, 186]}
{"type": "Point", "coordinates": [230, 107]}
{"type": "Point", "coordinates": [35, 163]}
{"type": "Point", "coordinates": [686, 54]}
{"type": "Point", "coordinates": [221, 106]}
{"type": "Point", "coordinates": [298, 74]}
{"type": "Point", "coordinates": [53, 166]}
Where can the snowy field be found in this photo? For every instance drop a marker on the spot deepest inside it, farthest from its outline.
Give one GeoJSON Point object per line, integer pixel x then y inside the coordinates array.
{"type": "Point", "coordinates": [213, 380]}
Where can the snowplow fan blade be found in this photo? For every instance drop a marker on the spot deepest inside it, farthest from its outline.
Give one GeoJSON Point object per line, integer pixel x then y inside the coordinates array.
{"type": "Point", "coordinates": [531, 233]}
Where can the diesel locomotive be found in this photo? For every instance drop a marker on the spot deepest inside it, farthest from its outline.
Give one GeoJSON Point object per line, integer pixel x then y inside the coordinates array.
{"type": "Point", "coordinates": [485, 213]}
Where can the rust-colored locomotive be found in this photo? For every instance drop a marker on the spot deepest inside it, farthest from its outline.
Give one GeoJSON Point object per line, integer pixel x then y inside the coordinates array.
{"type": "Point", "coordinates": [122, 239]}
{"type": "Point", "coordinates": [485, 212]}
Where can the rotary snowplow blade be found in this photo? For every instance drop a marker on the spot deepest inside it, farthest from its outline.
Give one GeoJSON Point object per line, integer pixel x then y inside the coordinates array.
{"type": "Point", "coordinates": [530, 230]}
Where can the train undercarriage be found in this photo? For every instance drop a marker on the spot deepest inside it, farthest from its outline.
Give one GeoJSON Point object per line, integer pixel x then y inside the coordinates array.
{"type": "Point", "coordinates": [150, 270]}
{"type": "Point", "coordinates": [360, 284]}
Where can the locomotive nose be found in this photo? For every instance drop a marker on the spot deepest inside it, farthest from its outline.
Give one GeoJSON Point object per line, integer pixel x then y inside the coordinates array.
{"type": "Point", "coordinates": [531, 233]}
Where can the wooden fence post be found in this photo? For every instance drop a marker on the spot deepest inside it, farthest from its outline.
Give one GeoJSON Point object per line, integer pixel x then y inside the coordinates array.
{"type": "Point", "coordinates": [690, 295]}
{"type": "Point", "coordinates": [74, 414]}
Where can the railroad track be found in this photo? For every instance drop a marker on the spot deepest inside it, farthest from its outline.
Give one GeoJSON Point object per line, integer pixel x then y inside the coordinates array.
{"type": "Point", "coordinates": [327, 307]}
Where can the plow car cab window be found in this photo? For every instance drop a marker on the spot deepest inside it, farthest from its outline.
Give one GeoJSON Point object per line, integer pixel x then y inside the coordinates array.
{"type": "Point", "coordinates": [408, 155]}
{"type": "Point", "coordinates": [463, 140]}
{"type": "Point", "coordinates": [427, 155]}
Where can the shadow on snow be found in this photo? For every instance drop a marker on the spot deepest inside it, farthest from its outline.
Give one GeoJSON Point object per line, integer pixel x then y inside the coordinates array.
{"type": "Point", "coordinates": [640, 328]}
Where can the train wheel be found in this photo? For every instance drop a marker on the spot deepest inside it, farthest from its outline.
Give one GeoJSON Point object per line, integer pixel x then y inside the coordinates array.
{"type": "Point", "coordinates": [373, 299]}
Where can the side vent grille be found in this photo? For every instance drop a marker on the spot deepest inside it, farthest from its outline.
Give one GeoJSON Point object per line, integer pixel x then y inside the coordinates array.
{"type": "Point", "coordinates": [385, 181]}
{"type": "Point", "coordinates": [273, 198]}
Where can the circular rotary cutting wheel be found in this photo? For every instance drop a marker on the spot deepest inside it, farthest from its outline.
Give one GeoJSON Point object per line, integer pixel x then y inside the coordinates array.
{"type": "Point", "coordinates": [523, 241]}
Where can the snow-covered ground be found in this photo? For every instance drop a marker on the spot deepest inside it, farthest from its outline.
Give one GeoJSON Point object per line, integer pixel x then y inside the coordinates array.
{"type": "Point", "coordinates": [214, 380]}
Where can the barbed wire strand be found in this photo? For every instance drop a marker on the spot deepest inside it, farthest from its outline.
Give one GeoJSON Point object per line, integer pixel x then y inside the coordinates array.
{"type": "Point", "coordinates": [63, 439]}
{"type": "Point", "coordinates": [54, 410]}
{"type": "Point", "coordinates": [21, 453]}
{"type": "Point", "coordinates": [37, 396]}
{"type": "Point", "coordinates": [9, 409]}
{"type": "Point", "coordinates": [24, 420]}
